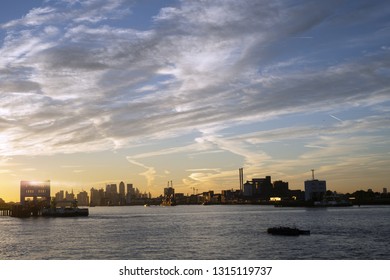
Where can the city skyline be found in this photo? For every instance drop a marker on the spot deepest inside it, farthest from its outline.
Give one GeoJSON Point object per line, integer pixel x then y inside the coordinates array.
{"type": "Point", "coordinates": [93, 92]}
{"type": "Point", "coordinates": [255, 191]}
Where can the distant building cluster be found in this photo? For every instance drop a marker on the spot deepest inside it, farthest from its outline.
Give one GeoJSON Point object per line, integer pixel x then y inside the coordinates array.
{"type": "Point", "coordinates": [110, 196]}
{"type": "Point", "coordinates": [62, 199]}
{"type": "Point", "coordinates": [264, 189]}
{"type": "Point", "coordinates": [127, 195]}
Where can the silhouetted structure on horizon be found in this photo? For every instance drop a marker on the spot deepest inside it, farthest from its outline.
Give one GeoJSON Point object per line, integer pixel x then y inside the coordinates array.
{"type": "Point", "coordinates": [264, 189]}
{"type": "Point", "coordinates": [39, 191]}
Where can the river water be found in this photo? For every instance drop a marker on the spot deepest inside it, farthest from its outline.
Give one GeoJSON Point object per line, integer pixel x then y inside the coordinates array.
{"type": "Point", "coordinates": [200, 232]}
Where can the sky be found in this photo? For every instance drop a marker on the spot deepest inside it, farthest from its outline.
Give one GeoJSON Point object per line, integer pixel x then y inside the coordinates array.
{"type": "Point", "coordinates": [146, 92]}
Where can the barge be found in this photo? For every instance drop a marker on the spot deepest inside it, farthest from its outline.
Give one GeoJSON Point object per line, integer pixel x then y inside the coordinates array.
{"type": "Point", "coordinates": [65, 212]}
{"type": "Point", "coordinates": [287, 231]}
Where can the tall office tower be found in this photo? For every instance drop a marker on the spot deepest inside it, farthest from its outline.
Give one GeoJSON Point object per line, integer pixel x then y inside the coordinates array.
{"type": "Point", "coordinates": [122, 189]}
{"type": "Point", "coordinates": [83, 198]}
{"type": "Point", "coordinates": [130, 193]}
{"type": "Point", "coordinates": [112, 194]}
{"type": "Point", "coordinates": [241, 178]}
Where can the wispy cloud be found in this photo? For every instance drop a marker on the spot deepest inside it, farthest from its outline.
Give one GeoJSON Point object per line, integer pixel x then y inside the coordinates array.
{"type": "Point", "coordinates": [91, 81]}
{"type": "Point", "coordinates": [149, 174]}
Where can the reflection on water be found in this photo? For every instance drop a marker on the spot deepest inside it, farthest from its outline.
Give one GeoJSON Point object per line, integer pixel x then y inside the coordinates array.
{"type": "Point", "coordinates": [200, 232]}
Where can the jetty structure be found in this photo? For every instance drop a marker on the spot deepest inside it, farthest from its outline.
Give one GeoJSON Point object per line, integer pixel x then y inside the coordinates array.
{"type": "Point", "coordinates": [5, 210]}
{"type": "Point", "coordinates": [40, 203]}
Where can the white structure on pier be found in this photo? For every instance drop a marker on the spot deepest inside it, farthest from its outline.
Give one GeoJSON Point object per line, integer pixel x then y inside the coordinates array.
{"type": "Point", "coordinates": [35, 190]}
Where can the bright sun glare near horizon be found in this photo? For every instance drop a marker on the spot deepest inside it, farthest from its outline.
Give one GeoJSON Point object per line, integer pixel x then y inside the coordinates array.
{"type": "Point", "coordinates": [146, 92]}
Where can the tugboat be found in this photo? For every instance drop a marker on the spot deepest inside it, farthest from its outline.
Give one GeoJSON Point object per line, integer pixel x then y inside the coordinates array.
{"type": "Point", "coordinates": [287, 231]}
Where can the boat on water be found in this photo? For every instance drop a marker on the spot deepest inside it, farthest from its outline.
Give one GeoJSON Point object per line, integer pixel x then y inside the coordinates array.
{"type": "Point", "coordinates": [168, 203]}
{"type": "Point", "coordinates": [291, 231]}
{"type": "Point", "coordinates": [67, 209]}
{"type": "Point", "coordinates": [65, 212]}
{"type": "Point", "coordinates": [169, 196]}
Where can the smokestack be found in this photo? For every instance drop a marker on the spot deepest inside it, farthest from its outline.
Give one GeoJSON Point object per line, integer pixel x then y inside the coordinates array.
{"type": "Point", "coordinates": [312, 174]}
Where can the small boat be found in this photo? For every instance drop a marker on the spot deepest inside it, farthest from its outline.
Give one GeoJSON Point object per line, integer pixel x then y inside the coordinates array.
{"type": "Point", "coordinates": [287, 231]}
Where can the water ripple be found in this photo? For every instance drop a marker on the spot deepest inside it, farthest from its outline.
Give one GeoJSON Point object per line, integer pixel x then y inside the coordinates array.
{"type": "Point", "coordinates": [199, 232]}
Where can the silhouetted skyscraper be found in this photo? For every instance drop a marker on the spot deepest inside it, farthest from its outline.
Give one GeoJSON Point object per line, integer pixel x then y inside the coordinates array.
{"type": "Point", "coordinates": [130, 194]}
{"type": "Point", "coordinates": [83, 199]}
{"type": "Point", "coordinates": [112, 195]}
{"type": "Point", "coordinates": [122, 189]}
{"type": "Point", "coordinates": [241, 179]}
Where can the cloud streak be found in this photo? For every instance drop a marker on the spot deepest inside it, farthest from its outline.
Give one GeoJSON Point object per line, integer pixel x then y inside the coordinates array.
{"type": "Point", "coordinates": [149, 174]}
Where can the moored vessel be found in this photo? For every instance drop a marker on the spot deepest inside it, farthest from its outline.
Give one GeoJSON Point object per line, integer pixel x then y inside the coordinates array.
{"type": "Point", "coordinates": [65, 212]}
{"type": "Point", "coordinates": [287, 231]}
{"type": "Point", "coordinates": [68, 209]}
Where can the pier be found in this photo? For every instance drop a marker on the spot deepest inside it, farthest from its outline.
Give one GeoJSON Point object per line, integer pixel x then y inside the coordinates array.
{"type": "Point", "coordinates": [20, 211]}
{"type": "Point", "coordinates": [5, 211]}
{"type": "Point", "coordinates": [38, 191]}
{"type": "Point", "coordinates": [41, 203]}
